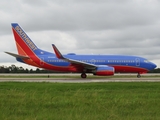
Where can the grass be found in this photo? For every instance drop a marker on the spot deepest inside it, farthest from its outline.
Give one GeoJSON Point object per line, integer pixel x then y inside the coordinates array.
{"type": "Point", "coordinates": [79, 101]}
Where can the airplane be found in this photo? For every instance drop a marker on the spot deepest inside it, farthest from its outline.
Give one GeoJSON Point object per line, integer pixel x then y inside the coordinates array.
{"type": "Point", "coordinates": [100, 65]}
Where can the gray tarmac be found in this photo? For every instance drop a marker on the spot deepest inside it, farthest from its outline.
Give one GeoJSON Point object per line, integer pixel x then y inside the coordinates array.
{"type": "Point", "coordinates": [145, 78]}
{"type": "Point", "coordinates": [72, 80]}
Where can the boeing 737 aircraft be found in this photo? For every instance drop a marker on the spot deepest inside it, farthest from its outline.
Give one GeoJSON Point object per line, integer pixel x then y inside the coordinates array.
{"type": "Point", "coordinates": [102, 65]}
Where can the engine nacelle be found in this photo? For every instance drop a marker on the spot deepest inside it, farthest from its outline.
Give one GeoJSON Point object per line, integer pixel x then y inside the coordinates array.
{"type": "Point", "coordinates": [104, 70]}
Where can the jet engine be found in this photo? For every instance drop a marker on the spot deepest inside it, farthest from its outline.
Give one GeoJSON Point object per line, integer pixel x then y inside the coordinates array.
{"type": "Point", "coordinates": [104, 70]}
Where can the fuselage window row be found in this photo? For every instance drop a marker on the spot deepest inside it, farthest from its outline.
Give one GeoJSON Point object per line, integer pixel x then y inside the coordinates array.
{"type": "Point", "coordinates": [89, 61]}
{"type": "Point", "coordinates": [98, 61]}
{"type": "Point", "coordinates": [121, 61]}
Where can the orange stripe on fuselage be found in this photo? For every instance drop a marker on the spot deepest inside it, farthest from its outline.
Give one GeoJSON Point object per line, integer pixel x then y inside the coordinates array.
{"type": "Point", "coordinates": [20, 50]}
{"type": "Point", "coordinates": [27, 61]}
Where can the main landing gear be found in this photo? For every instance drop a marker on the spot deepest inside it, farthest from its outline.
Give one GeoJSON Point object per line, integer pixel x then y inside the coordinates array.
{"type": "Point", "coordinates": [138, 75]}
{"type": "Point", "coordinates": [83, 75]}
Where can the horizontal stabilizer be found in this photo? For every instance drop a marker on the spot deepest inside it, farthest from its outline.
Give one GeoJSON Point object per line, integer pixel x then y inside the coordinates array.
{"type": "Point", "coordinates": [17, 56]}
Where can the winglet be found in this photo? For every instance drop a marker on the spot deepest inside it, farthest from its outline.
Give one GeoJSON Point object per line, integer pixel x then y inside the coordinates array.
{"type": "Point", "coordinates": [57, 52]}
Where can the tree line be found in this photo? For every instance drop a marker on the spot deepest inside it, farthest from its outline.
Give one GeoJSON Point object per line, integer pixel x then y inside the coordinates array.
{"type": "Point", "coordinates": [15, 69]}
{"type": "Point", "coordinates": [157, 70]}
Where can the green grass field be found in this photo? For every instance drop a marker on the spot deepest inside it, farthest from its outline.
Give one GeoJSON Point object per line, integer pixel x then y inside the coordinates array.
{"type": "Point", "coordinates": [79, 101]}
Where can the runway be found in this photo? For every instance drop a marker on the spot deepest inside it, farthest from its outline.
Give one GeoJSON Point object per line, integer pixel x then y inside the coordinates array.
{"type": "Point", "coordinates": [68, 78]}
{"type": "Point", "coordinates": [74, 80]}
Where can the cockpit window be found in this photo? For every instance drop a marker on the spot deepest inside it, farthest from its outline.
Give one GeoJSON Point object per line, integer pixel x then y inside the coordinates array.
{"type": "Point", "coordinates": [146, 61]}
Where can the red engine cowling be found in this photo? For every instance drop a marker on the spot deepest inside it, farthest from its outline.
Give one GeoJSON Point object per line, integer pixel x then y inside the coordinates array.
{"type": "Point", "coordinates": [104, 70]}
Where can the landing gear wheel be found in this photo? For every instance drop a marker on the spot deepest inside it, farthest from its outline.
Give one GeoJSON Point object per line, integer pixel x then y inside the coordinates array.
{"type": "Point", "coordinates": [83, 75]}
{"type": "Point", "coordinates": [138, 76]}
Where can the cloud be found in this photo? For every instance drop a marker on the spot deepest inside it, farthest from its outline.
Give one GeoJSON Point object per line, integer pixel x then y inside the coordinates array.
{"type": "Point", "coordinates": [84, 27]}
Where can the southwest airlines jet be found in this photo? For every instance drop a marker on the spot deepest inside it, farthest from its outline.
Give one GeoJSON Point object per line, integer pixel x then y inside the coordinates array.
{"type": "Point", "coordinates": [102, 65]}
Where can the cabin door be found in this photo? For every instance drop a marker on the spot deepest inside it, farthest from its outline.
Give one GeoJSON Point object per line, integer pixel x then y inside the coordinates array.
{"type": "Point", "coordinates": [137, 62]}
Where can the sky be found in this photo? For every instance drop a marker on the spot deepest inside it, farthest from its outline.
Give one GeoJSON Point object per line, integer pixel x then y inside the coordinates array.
{"type": "Point", "coordinates": [126, 27]}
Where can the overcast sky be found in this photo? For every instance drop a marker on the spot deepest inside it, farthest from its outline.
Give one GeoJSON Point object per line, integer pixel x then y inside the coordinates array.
{"type": "Point", "coordinates": [129, 27]}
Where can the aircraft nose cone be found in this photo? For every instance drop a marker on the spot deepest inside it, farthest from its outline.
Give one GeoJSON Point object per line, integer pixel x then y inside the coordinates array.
{"type": "Point", "coordinates": [153, 65]}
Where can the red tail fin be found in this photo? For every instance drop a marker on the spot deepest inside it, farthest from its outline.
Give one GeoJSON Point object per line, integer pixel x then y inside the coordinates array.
{"type": "Point", "coordinates": [24, 44]}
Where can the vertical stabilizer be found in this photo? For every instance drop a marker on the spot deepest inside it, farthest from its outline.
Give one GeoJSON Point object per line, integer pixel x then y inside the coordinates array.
{"type": "Point", "coordinates": [25, 45]}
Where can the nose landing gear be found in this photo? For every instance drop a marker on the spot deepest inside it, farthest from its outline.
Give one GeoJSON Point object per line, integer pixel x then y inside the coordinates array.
{"type": "Point", "coordinates": [138, 75]}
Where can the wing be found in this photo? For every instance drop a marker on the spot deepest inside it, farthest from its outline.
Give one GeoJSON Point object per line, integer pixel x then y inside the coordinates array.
{"type": "Point", "coordinates": [84, 64]}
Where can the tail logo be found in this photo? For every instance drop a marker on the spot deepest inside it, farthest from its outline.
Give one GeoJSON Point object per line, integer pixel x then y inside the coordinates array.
{"type": "Point", "coordinates": [26, 38]}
